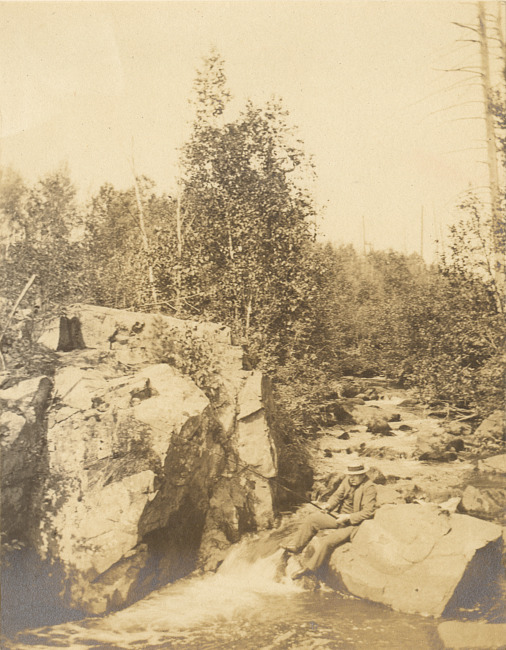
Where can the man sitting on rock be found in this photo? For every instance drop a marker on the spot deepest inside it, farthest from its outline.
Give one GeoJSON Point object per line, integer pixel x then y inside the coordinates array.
{"type": "Point", "coordinates": [352, 502]}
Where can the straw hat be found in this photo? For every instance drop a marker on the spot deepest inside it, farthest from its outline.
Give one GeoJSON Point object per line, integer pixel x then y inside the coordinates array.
{"type": "Point", "coordinates": [355, 467]}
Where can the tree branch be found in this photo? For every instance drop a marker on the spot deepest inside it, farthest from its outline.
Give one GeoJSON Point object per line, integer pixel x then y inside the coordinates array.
{"type": "Point", "coordinates": [11, 315]}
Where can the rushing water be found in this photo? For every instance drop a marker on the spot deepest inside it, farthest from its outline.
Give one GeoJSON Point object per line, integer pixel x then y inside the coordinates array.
{"type": "Point", "coordinates": [248, 603]}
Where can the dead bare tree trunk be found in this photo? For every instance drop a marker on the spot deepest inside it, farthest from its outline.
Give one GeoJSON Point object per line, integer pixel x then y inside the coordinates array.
{"type": "Point", "coordinates": [492, 156]}
{"type": "Point", "coordinates": [179, 236]}
{"type": "Point", "coordinates": [144, 236]}
{"type": "Point", "coordinates": [249, 310]}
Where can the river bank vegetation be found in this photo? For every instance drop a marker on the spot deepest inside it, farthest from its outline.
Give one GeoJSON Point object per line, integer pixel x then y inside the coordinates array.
{"type": "Point", "coordinates": [237, 244]}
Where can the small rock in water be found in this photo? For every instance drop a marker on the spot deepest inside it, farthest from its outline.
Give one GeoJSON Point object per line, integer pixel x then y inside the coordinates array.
{"type": "Point", "coordinates": [437, 414]}
{"type": "Point", "coordinates": [376, 476]}
{"type": "Point", "coordinates": [456, 445]}
{"type": "Point", "coordinates": [405, 427]}
{"type": "Point", "coordinates": [485, 501]}
{"type": "Point", "coordinates": [437, 494]}
{"type": "Point", "coordinates": [409, 402]}
{"type": "Point", "coordinates": [474, 501]}
{"type": "Point", "coordinates": [492, 427]}
{"type": "Point", "coordinates": [493, 464]}
{"type": "Point", "coordinates": [310, 582]}
{"type": "Point", "coordinates": [451, 505]}
{"type": "Point", "coordinates": [350, 389]}
{"type": "Point", "coordinates": [459, 429]}
{"type": "Point", "coordinates": [395, 417]}
{"type": "Point", "coordinates": [378, 425]}
{"type": "Point", "coordinates": [459, 634]}
{"type": "Point", "coordinates": [439, 457]}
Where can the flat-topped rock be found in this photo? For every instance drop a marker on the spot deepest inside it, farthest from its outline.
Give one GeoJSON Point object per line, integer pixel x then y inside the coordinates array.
{"type": "Point", "coordinates": [134, 336]}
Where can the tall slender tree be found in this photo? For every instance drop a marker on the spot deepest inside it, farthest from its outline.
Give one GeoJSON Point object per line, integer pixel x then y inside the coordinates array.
{"type": "Point", "coordinates": [247, 206]}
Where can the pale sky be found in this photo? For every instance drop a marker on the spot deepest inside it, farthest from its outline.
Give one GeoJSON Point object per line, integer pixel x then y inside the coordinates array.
{"type": "Point", "coordinates": [362, 80]}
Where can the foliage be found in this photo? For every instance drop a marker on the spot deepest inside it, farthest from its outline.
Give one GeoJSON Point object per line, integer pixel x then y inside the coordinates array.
{"type": "Point", "coordinates": [237, 245]}
{"type": "Point", "coordinates": [305, 398]}
{"type": "Point", "coordinates": [246, 209]}
{"type": "Point", "coordinates": [210, 88]}
{"type": "Point", "coordinates": [45, 220]}
{"type": "Point", "coordinates": [190, 353]}
{"type": "Point", "coordinates": [388, 313]}
{"type": "Point", "coordinates": [117, 261]}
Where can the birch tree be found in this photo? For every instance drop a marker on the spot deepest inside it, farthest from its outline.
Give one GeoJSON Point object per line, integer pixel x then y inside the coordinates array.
{"type": "Point", "coordinates": [246, 205]}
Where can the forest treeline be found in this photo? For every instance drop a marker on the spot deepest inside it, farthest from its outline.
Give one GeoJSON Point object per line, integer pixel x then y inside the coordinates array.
{"type": "Point", "coordinates": [237, 244]}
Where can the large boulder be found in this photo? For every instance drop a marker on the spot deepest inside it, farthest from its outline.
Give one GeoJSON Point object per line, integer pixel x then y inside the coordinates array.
{"type": "Point", "coordinates": [126, 454]}
{"type": "Point", "coordinates": [419, 559]}
{"type": "Point", "coordinates": [133, 336]}
{"type": "Point", "coordinates": [148, 468]}
{"type": "Point", "coordinates": [255, 447]}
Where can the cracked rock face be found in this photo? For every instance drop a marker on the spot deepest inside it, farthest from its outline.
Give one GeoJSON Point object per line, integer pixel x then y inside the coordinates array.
{"type": "Point", "coordinates": [141, 475]}
{"type": "Point", "coordinates": [22, 442]}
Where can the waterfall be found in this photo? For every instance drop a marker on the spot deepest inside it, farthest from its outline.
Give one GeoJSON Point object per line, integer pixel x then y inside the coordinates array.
{"type": "Point", "coordinates": [252, 573]}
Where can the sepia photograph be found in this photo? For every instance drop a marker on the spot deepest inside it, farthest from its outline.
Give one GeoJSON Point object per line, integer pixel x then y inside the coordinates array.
{"type": "Point", "coordinates": [252, 324]}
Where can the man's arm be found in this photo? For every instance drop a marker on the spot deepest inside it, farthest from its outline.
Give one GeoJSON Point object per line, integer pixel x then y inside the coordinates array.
{"type": "Point", "coordinates": [368, 506]}
{"type": "Point", "coordinates": [337, 498]}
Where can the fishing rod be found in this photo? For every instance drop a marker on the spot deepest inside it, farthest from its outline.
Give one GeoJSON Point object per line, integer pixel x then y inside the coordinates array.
{"type": "Point", "coordinates": [239, 463]}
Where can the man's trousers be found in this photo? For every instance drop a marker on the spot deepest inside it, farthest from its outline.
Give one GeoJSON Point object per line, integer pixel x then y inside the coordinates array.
{"type": "Point", "coordinates": [323, 546]}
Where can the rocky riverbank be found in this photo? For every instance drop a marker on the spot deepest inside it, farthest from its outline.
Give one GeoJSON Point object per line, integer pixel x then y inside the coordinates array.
{"type": "Point", "coordinates": [146, 450]}
{"type": "Point", "coordinates": [416, 453]}
{"type": "Point", "coordinates": [434, 546]}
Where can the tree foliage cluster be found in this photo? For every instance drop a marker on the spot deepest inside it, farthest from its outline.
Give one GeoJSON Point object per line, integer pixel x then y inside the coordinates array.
{"type": "Point", "coordinates": [236, 244]}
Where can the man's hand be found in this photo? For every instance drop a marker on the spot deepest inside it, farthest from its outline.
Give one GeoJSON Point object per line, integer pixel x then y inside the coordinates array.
{"type": "Point", "coordinates": [343, 519]}
{"type": "Point", "coordinates": [319, 505]}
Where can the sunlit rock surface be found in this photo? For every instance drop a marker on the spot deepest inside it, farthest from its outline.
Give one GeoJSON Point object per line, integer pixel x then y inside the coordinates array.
{"type": "Point", "coordinates": [459, 634]}
{"type": "Point", "coordinates": [132, 335]}
{"type": "Point", "coordinates": [484, 502]}
{"type": "Point", "coordinates": [496, 464]}
{"type": "Point", "coordinates": [493, 427]}
{"type": "Point", "coordinates": [419, 559]}
{"type": "Point", "coordinates": [143, 474]}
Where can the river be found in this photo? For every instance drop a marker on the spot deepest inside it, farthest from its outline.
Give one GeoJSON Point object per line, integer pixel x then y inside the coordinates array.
{"type": "Point", "coordinates": [247, 604]}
